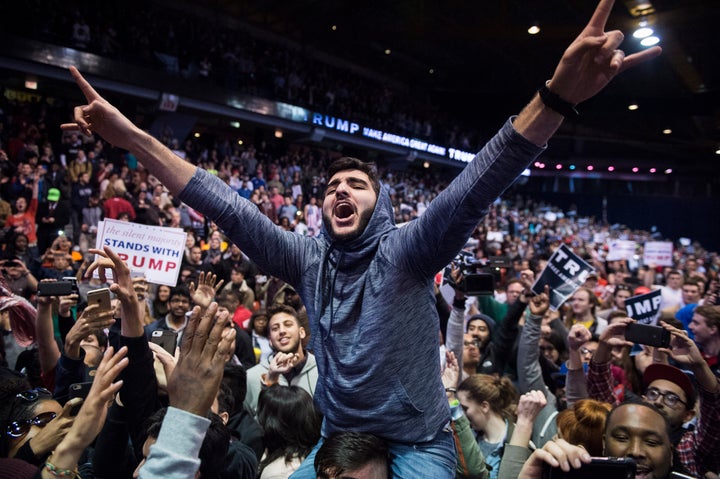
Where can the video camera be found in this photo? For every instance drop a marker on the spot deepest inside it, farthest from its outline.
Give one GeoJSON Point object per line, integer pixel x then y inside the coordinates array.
{"type": "Point", "coordinates": [477, 278]}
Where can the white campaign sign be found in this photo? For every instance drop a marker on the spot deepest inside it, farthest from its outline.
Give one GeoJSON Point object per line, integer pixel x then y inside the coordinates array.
{"type": "Point", "coordinates": [156, 251]}
{"type": "Point", "coordinates": [620, 249]}
{"type": "Point", "coordinates": [659, 253]}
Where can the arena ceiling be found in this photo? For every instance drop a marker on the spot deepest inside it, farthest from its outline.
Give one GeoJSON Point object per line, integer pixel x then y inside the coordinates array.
{"type": "Point", "coordinates": [486, 66]}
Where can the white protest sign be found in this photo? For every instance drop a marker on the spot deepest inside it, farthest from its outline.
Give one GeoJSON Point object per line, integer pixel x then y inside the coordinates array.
{"type": "Point", "coordinates": [620, 249]}
{"type": "Point", "coordinates": [495, 236]}
{"type": "Point", "coordinates": [659, 253]}
{"type": "Point", "coordinates": [156, 251]}
{"type": "Point", "coordinates": [565, 273]}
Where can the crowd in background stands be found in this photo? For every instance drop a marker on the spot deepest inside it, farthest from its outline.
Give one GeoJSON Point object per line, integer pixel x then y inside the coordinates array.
{"type": "Point", "coordinates": [204, 48]}
{"type": "Point", "coordinates": [516, 373]}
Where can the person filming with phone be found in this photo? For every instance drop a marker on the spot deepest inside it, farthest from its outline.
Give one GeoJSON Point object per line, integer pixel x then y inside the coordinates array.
{"type": "Point", "coordinates": [637, 437]}
{"type": "Point", "coordinates": [671, 391]}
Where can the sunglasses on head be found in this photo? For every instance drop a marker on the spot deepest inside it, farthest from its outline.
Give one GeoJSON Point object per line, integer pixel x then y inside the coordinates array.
{"type": "Point", "coordinates": [18, 429]}
{"type": "Point", "coordinates": [32, 395]}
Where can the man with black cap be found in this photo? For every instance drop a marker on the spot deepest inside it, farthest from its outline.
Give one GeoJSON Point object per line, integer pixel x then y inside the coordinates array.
{"type": "Point", "coordinates": [671, 390]}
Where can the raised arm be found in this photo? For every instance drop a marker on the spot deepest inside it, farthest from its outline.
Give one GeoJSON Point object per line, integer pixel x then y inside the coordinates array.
{"type": "Point", "coordinates": [48, 350]}
{"type": "Point", "coordinates": [590, 62]}
{"type": "Point", "coordinates": [100, 117]}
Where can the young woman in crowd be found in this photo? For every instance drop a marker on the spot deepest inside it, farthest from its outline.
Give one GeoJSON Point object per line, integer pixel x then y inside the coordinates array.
{"type": "Point", "coordinates": [258, 329]}
{"type": "Point", "coordinates": [292, 428]}
{"type": "Point", "coordinates": [159, 306]}
{"type": "Point", "coordinates": [490, 404]}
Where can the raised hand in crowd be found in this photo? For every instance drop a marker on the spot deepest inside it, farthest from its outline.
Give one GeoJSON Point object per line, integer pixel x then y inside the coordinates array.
{"type": "Point", "coordinates": [88, 422]}
{"type": "Point", "coordinates": [207, 287]}
{"type": "Point", "coordinates": [686, 352]}
{"type": "Point", "coordinates": [587, 66]}
{"type": "Point", "coordinates": [66, 303]}
{"type": "Point", "coordinates": [451, 373]}
{"type": "Point", "coordinates": [578, 335]}
{"type": "Point", "coordinates": [123, 287]}
{"type": "Point", "coordinates": [206, 346]}
{"type": "Point", "coordinates": [529, 406]}
{"type": "Point", "coordinates": [48, 438]}
{"type": "Point", "coordinates": [539, 303]}
{"type": "Point", "coordinates": [613, 336]}
{"type": "Point", "coordinates": [281, 363]}
{"type": "Point", "coordinates": [92, 319]}
{"type": "Point", "coordinates": [555, 453]}
{"type": "Point", "coordinates": [48, 350]}
{"type": "Point", "coordinates": [166, 362]}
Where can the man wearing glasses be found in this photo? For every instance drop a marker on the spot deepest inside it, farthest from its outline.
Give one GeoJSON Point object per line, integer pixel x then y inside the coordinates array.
{"type": "Point", "coordinates": [672, 391]}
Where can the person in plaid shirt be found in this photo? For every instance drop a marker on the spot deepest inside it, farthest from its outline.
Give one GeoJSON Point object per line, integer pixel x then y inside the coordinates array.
{"type": "Point", "coordinates": [672, 392]}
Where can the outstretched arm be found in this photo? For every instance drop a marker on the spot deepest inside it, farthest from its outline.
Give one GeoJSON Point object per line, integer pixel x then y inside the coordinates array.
{"type": "Point", "coordinates": [590, 62]}
{"type": "Point", "coordinates": [101, 117]}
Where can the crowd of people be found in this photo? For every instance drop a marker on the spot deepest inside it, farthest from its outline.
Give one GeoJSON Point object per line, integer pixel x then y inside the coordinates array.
{"type": "Point", "coordinates": [213, 51]}
{"type": "Point", "coordinates": [307, 335]}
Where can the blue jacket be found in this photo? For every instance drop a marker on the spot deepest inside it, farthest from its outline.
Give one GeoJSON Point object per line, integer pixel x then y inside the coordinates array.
{"type": "Point", "coordinates": [374, 327]}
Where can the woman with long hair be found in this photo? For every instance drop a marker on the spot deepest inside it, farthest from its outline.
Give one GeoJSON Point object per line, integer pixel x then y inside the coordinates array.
{"type": "Point", "coordinates": [490, 404]}
{"type": "Point", "coordinates": [291, 427]}
{"type": "Point", "coordinates": [160, 303]}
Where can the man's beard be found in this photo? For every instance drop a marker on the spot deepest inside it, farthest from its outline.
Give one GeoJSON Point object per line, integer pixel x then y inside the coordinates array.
{"type": "Point", "coordinates": [351, 235]}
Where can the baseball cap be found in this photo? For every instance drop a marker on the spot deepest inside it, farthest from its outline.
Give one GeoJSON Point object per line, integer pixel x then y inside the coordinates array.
{"type": "Point", "coordinates": [53, 194]}
{"type": "Point", "coordinates": [672, 374]}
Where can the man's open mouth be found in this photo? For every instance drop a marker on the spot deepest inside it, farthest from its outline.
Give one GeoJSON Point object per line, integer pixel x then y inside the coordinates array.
{"type": "Point", "coordinates": [344, 210]}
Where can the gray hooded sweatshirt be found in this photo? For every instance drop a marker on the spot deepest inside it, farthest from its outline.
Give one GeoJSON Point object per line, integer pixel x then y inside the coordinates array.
{"type": "Point", "coordinates": [370, 300]}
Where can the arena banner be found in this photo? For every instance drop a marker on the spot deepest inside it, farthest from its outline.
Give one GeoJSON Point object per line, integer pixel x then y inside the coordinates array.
{"type": "Point", "coordinates": [658, 253]}
{"type": "Point", "coordinates": [620, 249]}
{"type": "Point", "coordinates": [564, 274]}
{"type": "Point", "coordinates": [155, 251]}
{"type": "Point", "coordinates": [645, 308]}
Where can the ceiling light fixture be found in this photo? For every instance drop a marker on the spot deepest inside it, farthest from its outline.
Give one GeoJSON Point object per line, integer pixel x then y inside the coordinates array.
{"type": "Point", "coordinates": [590, 167]}
{"type": "Point", "coordinates": [611, 168]}
{"type": "Point", "coordinates": [650, 41]}
{"type": "Point", "coordinates": [667, 131]}
{"type": "Point", "coordinates": [534, 29]}
{"type": "Point", "coordinates": [643, 30]}
{"type": "Point", "coordinates": [652, 170]}
{"type": "Point", "coordinates": [668, 171]}
{"type": "Point", "coordinates": [633, 106]}
{"type": "Point", "coordinates": [388, 51]}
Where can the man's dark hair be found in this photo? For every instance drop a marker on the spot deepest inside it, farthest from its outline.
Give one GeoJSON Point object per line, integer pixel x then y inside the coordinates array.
{"type": "Point", "coordinates": [229, 296]}
{"type": "Point", "coordinates": [235, 378]}
{"type": "Point", "coordinates": [214, 447]}
{"type": "Point", "coordinates": [277, 308]}
{"type": "Point", "coordinates": [226, 399]}
{"type": "Point", "coordinates": [102, 338]}
{"type": "Point", "coordinates": [638, 402]}
{"type": "Point", "coordinates": [180, 290]}
{"type": "Point", "coordinates": [711, 313]}
{"type": "Point", "coordinates": [347, 451]}
{"type": "Point", "coordinates": [349, 163]}
{"type": "Point", "coordinates": [694, 281]}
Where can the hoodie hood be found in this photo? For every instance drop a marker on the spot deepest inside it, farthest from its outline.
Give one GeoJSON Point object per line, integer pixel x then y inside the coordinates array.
{"type": "Point", "coordinates": [381, 221]}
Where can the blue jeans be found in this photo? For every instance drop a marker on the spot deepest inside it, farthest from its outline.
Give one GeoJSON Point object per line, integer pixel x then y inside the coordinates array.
{"type": "Point", "coordinates": [435, 459]}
